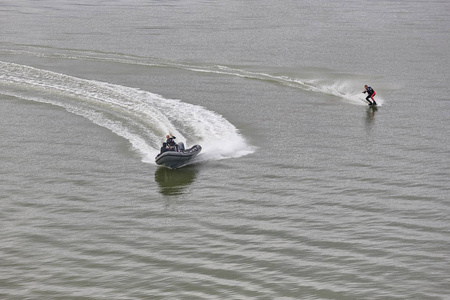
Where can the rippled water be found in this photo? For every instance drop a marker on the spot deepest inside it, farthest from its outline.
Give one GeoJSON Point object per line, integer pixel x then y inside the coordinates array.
{"type": "Point", "coordinates": [301, 192]}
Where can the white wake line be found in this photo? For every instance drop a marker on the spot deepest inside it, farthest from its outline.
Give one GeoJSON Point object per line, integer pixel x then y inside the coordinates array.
{"type": "Point", "coordinates": [259, 76]}
{"type": "Point", "coordinates": [330, 89]}
{"type": "Point", "coordinates": [306, 85]}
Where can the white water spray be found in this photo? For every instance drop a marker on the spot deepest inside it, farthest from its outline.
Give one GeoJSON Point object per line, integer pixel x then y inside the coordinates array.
{"type": "Point", "coordinates": [141, 117]}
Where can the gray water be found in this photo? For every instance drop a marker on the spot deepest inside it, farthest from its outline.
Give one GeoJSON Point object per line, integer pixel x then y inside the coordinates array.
{"type": "Point", "coordinates": [301, 192]}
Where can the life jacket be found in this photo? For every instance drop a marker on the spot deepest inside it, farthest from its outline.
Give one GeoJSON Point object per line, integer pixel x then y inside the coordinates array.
{"type": "Point", "coordinates": [171, 142]}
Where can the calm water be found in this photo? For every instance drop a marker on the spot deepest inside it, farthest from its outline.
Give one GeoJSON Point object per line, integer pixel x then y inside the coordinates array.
{"type": "Point", "coordinates": [301, 192]}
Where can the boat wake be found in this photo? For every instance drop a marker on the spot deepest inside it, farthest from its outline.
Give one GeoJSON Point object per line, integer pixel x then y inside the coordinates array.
{"type": "Point", "coordinates": [346, 87]}
{"type": "Point", "coordinates": [141, 117]}
{"type": "Point", "coordinates": [324, 82]}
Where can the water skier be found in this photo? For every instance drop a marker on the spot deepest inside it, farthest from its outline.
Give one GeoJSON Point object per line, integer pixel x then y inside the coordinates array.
{"type": "Point", "coordinates": [371, 93]}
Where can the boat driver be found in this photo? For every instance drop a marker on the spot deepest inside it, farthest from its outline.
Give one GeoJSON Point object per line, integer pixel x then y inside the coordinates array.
{"type": "Point", "coordinates": [171, 143]}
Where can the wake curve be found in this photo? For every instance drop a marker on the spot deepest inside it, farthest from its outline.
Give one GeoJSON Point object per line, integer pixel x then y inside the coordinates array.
{"type": "Point", "coordinates": [141, 117]}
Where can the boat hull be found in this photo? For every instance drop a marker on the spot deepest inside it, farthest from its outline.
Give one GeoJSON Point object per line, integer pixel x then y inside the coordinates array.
{"type": "Point", "coordinates": [177, 159]}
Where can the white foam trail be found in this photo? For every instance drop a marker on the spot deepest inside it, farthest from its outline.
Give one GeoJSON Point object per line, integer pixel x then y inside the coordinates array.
{"type": "Point", "coordinates": [139, 116]}
{"type": "Point", "coordinates": [345, 89]}
{"type": "Point", "coordinates": [323, 81]}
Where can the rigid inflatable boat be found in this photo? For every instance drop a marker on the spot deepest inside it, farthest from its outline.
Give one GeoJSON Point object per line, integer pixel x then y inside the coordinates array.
{"type": "Point", "coordinates": [177, 158]}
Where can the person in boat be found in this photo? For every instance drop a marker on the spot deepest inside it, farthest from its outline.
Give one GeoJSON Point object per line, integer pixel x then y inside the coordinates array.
{"type": "Point", "coordinates": [163, 149]}
{"type": "Point", "coordinates": [370, 94]}
{"type": "Point", "coordinates": [171, 142]}
{"type": "Point", "coordinates": [168, 145]}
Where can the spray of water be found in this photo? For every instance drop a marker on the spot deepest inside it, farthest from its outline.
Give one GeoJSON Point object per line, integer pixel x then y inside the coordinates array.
{"type": "Point", "coordinates": [141, 117]}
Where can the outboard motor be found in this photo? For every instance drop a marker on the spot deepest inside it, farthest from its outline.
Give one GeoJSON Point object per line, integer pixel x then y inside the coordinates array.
{"type": "Point", "coordinates": [180, 146]}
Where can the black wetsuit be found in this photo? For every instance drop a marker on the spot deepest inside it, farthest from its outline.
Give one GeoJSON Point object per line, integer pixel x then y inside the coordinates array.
{"type": "Point", "coordinates": [170, 141]}
{"type": "Point", "coordinates": [167, 146]}
{"type": "Point", "coordinates": [371, 93]}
